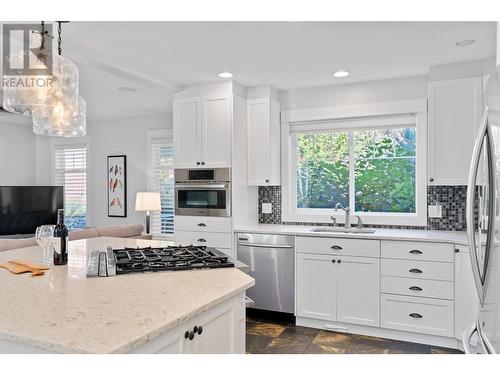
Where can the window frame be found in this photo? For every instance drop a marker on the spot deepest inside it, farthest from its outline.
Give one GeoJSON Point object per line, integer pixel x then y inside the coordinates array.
{"type": "Point", "coordinates": [151, 135]}
{"type": "Point", "coordinates": [61, 143]}
{"type": "Point", "coordinates": [348, 118]}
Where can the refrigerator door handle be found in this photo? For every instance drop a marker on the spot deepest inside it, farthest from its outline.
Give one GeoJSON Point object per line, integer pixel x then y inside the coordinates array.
{"type": "Point", "coordinates": [484, 132]}
{"type": "Point", "coordinates": [467, 336]}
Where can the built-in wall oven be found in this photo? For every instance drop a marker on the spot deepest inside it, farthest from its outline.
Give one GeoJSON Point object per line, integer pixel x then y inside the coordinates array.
{"type": "Point", "coordinates": [203, 192]}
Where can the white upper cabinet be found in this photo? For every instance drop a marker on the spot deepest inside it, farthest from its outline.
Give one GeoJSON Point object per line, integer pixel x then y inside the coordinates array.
{"type": "Point", "coordinates": [455, 110]}
{"type": "Point", "coordinates": [187, 136]}
{"type": "Point", "coordinates": [216, 129]}
{"type": "Point", "coordinates": [202, 132]}
{"type": "Point", "coordinates": [263, 135]}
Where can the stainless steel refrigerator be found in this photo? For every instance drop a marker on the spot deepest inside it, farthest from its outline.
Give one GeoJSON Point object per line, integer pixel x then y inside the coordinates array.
{"type": "Point", "coordinates": [483, 224]}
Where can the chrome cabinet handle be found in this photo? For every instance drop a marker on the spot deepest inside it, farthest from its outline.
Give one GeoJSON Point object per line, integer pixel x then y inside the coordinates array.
{"type": "Point", "coordinates": [202, 240]}
{"type": "Point", "coordinates": [202, 224]}
{"type": "Point", "coordinates": [415, 288]}
{"type": "Point", "coordinates": [336, 247]}
{"type": "Point", "coordinates": [416, 315]}
{"type": "Point", "coordinates": [415, 252]}
{"type": "Point", "coordinates": [415, 270]}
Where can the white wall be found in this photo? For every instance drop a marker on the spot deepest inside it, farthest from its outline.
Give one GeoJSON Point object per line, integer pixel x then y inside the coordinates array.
{"type": "Point", "coordinates": [357, 93]}
{"type": "Point", "coordinates": [110, 137]}
{"type": "Point", "coordinates": [17, 154]}
{"type": "Point", "coordinates": [119, 137]}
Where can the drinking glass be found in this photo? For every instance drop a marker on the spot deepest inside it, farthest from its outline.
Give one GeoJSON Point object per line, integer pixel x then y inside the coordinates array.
{"type": "Point", "coordinates": [45, 239]}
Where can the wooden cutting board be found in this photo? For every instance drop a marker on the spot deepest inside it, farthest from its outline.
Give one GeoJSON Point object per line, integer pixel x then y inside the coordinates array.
{"type": "Point", "coordinates": [14, 268]}
{"type": "Point", "coordinates": [27, 263]}
{"type": "Point", "coordinates": [18, 269]}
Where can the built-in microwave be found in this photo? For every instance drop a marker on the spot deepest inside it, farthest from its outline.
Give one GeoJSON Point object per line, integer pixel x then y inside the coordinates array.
{"type": "Point", "coordinates": [203, 192]}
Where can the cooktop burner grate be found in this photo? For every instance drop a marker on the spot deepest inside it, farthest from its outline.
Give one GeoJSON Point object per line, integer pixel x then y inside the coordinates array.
{"type": "Point", "coordinates": [171, 258]}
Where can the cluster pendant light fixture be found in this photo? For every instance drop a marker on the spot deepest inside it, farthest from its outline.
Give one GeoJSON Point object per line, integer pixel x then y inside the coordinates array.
{"type": "Point", "coordinates": [57, 109]}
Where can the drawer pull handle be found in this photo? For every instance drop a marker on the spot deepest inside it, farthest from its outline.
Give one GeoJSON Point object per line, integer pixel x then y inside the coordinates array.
{"type": "Point", "coordinates": [415, 252]}
{"type": "Point", "coordinates": [336, 247]}
{"type": "Point", "coordinates": [415, 270]}
{"type": "Point", "coordinates": [415, 288]}
{"type": "Point", "coordinates": [416, 316]}
{"type": "Point", "coordinates": [202, 240]}
{"type": "Point", "coordinates": [202, 225]}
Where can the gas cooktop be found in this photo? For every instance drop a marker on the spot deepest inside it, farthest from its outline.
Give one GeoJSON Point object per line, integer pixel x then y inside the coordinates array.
{"type": "Point", "coordinates": [171, 258]}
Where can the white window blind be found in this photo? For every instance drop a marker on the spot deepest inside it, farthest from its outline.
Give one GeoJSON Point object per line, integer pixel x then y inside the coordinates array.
{"type": "Point", "coordinates": [70, 166]}
{"type": "Point", "coordinates": [162, 180]}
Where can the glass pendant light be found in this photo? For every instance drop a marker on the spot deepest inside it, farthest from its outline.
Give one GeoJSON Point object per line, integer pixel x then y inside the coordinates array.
{"type": "Point", "coordinates": [65, 113]}
{"type": "Point", "coordinates": [38, 91]}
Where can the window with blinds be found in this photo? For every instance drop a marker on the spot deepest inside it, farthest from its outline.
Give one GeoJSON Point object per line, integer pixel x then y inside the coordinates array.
{"type": "Point", "coordinates": [162, 180]}
{"type": "Point", "coordinates": [70, 171]}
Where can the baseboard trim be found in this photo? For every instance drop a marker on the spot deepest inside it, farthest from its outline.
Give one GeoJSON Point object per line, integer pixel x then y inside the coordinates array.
{"type": "Point", "coordinates": [447, 342]}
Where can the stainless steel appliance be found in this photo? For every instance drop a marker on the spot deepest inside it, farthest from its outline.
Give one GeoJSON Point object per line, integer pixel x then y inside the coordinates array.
{"type": "Point", "coordinates": [203, 192]}
{"type": "Point", "coordinates": [171, 258]}
{"type": "Point", "coordinates": [483, 195]}
{"type": "Point", "coordinates": [271, 262]}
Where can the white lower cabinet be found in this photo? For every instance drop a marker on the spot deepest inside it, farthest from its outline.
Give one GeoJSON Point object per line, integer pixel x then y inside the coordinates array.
{"type": "Point", "coordinates": [416, 314]}
{"type": "Point", "coordinates": [316, 286]}
{"type": "Point", "coordinates": [404, 289]}
{"type": "Point", "coordinates": [220, 330]}
{"type": "Point", "coordinates": [338, 288]}
{"type": "Point", "coordinates": [358, 290]}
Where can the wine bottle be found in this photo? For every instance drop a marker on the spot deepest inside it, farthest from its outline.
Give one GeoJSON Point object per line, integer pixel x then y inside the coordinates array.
{"type": "Point", "coordinates": [61, 240]}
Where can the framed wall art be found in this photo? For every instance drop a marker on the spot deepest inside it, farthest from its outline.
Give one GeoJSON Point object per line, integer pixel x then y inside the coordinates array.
{"type": "Point", "coordinates": [117, 185]}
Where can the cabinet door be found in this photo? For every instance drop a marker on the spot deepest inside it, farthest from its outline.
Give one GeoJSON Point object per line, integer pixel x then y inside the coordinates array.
{"type": "Point", "coordinates": [259, 146]}
{"type": "Point", "coordinates": [223, 330]}
{"type": "Point", "coordinates": [466, 298]}
{"type": "Point", "coordinates": [358, 291]}
{"type": "Point", "coordinates": [455, 109]}
{"type": "Point", "coordinates": [187, 132]}
{"type": "Point", "coordinates": [171, 342]}
{"type": "Point", "coordinates": [316, 286]}
{"type": "Point", "coordinates": [216, 128]}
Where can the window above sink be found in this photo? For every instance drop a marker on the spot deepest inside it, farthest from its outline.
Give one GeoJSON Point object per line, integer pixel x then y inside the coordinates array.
{"type": "Point", "coordinates": [374, 165]}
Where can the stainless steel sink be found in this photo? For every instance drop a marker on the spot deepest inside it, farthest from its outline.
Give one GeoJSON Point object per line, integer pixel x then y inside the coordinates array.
{"type": "Point", "coordinates": [342, 230]}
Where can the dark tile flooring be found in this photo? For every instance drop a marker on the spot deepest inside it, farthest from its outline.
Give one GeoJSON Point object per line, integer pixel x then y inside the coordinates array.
{"type": "Point", "coordinates": [265, 336]}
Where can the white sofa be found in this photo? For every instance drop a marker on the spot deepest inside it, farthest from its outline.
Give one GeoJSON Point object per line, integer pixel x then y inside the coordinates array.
{"type": "Point", "coordinates": [120, 231]}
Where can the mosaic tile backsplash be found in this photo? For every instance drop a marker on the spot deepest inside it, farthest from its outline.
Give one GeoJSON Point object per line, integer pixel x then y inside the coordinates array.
{"type": "Point", "coordinates": [451, 198]}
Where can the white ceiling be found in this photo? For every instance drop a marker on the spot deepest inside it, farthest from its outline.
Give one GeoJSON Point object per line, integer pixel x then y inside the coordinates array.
{"type": "Point", "coordinates": [158, 58]}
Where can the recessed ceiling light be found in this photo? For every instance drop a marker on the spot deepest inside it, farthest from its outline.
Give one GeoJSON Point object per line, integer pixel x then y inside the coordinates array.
{"type": "Point", "coordinates": [465, 42]}
{"type": "Point", "coordinates": [126, 89]}
{"type": "Point", "coordinates": [341, 73]}
{"type": "Point", "coordinates": [226, 75]}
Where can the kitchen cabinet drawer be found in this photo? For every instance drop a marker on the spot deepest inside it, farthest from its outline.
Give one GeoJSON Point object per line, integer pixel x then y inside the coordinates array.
{"type": "Point", "coordinates": [417, 269]}
{"type": "Point", "coordinates": [203, 224]}
{"type": "Point", "coordinates": [217, 240]}
{"type": "Point", "coordinates": [417, 287]}
{"type": "Point", "coordinates": [429, 251]}
{"type": "Point", "coordinates": [338, 246]}
{"type": "Point", "coordinates": [416, 314]}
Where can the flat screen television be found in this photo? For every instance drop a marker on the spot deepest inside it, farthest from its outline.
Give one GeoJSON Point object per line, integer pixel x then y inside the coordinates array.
{"type": "Point", "coordinates": [24, 208]}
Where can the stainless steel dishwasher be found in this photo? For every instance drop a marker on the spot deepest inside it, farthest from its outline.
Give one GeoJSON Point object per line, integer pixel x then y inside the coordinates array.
{"type": "Point", "coordinates": [271, 262]}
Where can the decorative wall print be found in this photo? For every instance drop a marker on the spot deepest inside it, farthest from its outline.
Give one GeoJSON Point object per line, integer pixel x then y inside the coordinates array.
{"type": "Point", "coordinates": [117, 186]}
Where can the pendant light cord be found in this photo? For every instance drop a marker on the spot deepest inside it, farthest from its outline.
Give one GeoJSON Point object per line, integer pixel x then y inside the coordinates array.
{"type": "Point", "coordinates": [59, 38]}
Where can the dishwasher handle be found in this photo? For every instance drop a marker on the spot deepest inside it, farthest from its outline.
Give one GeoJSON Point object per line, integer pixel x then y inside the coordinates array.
{"type": "Point", "coordinates": [263, 245]}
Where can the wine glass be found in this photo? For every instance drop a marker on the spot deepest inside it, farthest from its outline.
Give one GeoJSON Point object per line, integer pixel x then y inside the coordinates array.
{"type": "Point", "coordinates": [43, 236]}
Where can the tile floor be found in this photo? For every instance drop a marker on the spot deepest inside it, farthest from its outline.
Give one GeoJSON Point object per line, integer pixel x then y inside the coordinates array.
{"type": "Point", "coordinates": [274, 337]}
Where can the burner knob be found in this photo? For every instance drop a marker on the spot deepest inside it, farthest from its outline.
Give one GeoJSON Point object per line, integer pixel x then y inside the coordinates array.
{"type": "Point", "coordinates": [200, 330]}
{"type": "Point", "coordinates": [195, 329]}
{"type": "Point", "coordinates": [191, 335]}
{"type": "Point", "coordinates": [186, 335]}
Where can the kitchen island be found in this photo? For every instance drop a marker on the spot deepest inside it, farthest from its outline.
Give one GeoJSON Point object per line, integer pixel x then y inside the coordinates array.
{"type": "Point", "coordinates": [63, 311]}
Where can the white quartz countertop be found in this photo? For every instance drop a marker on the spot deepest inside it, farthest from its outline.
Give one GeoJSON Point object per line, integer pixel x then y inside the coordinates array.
{"type": "Point", "coordinates": [459, 238]}
{"type": "Point", "coordinates": [64, 311]}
